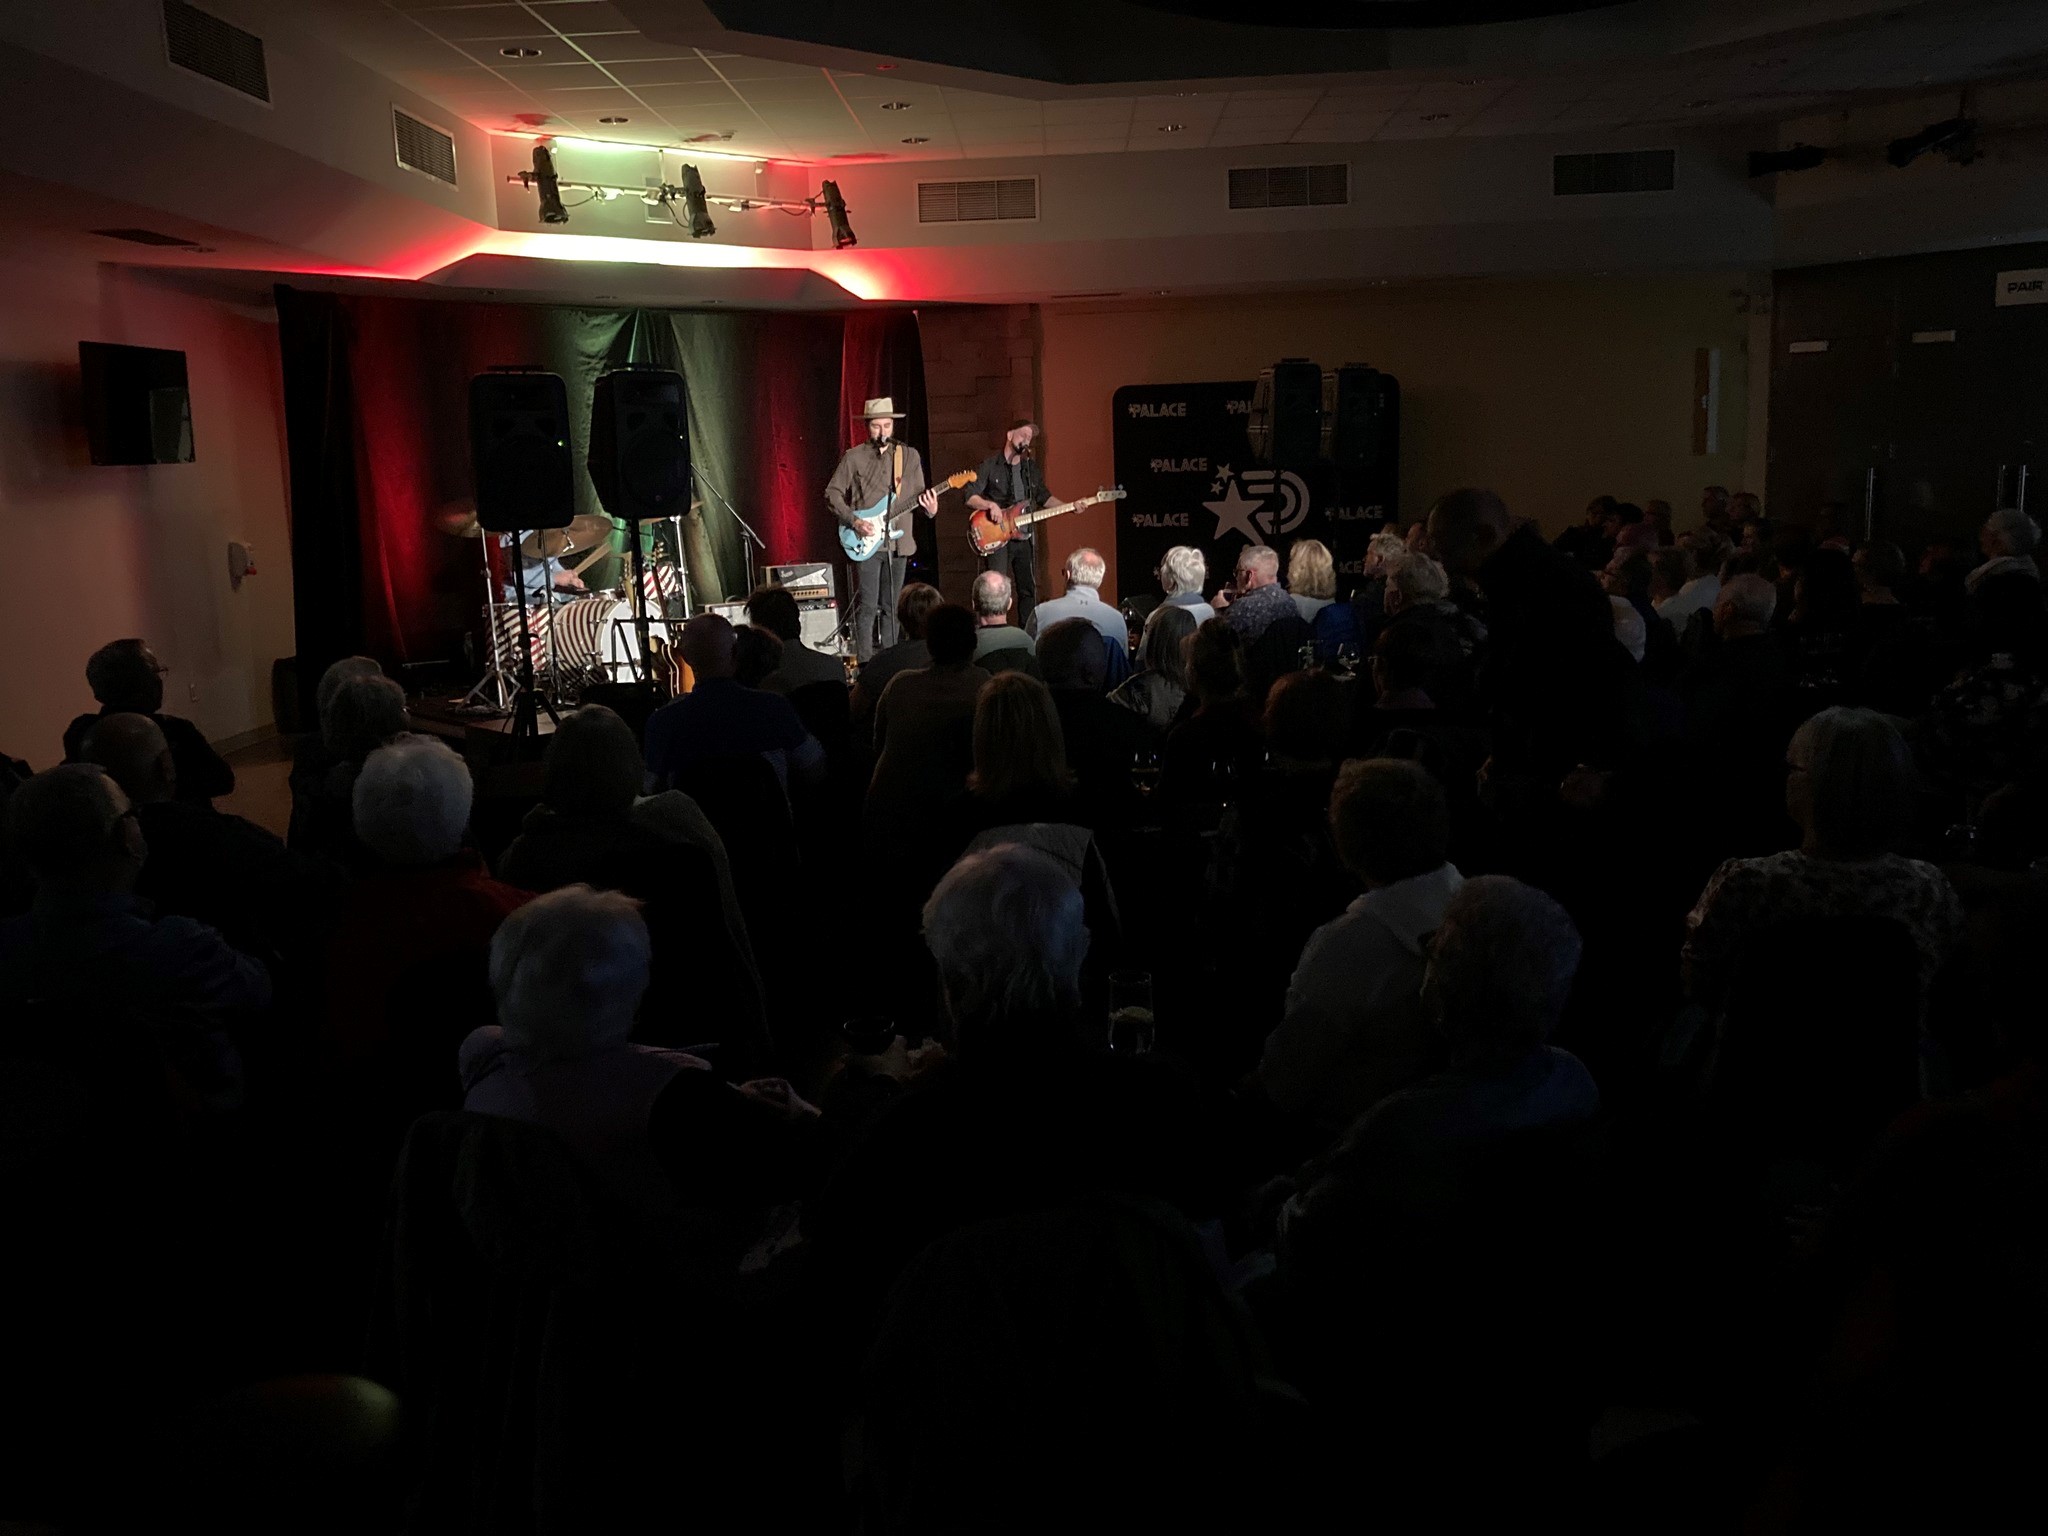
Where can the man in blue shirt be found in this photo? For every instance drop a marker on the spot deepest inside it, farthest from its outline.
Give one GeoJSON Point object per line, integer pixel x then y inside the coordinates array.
{"type": "Point", "coordinates": [721, 718]}
{"type": "Point", "coordinates": [1085, 572]}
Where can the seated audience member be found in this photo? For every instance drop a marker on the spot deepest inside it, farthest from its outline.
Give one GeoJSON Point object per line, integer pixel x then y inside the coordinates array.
{"type": "Point", "coordinates": [1182, 574]}
{"type": "Point", "coordinates": [310, 759]}
{"type": "Point", "coordinates": [1741, 706]}
{"type": "Point", "coordinates": [755, 655]}
{"type": "Point", "coordinates": [1714, 512]}
{"type": "Point", "coordinates": [1101, 738]}
{"type": "Point", "coordinates": [1368, 600]}
{"type": "Point", "coordinates": [365, 711]}
{"type": "Point", "coordinates": [1433, 1193]}
{"type": "Point", "coordinates": [1683, 585]}
{"type": "Point", "coordinates": [1657, 514]}
{"type": "Point", "coordinates": [773, 609]}
{"type": "Point", "coordinates": [406, 956]}
{"type": "Point", "coordinates": [2009, 539]}
{"type": "Point", "coordinates": [914, 604]}
{"type": "Point", "coordinates": [1355, 1030]}
{"type": "Point", "coordinates": [999, 645]}
{"type": "Point", "coordinates": [1588, 541]}
{"type": "Point", "coordinates": [1086, 571]}
{"type": "Point", "coordinates": [1255, 598]}
{"type": "Point", "coordinates": [1217, 741]}
{"type": "Point", "coordinates": [1989, 725]}
{"type": "Point", "coordinates": [203, 863]}
{"type": "Point", "coordinates": [568, 971]}
{"type": "Point", "coordinates": [1880, 571]}
{"type": "Point", "coordinates": [1311, 577]}
{"type": "Point", "coordinates": [1850, 792]}
{"type": "Point", "coordinates": [1283, 867]}
{"type": "Point", "coordinates": [1418, 597]}
{"type": "Point", "coordinates": [1156, 691]}
{"type": "Point", "coordinates": [1629, 632]}
{"type": "Point", "coordinates": [1026, 1110]}
{"type": "Point", "coordinates": [90, 943]}
{"type": "Point", "coordinates": [924, 728]}
{"type": "Point", "coordinates": [1822, 633]}
{"type": "Point", "coordinates": [593, 828]}
{"type": "Point", "coordinates": [1020, 769]}
{"type": "Point", "coordinates": [127, 679]}
{"type": "Point", "coordinates": [1630, 576]}
{"type": "Point", "coordinates": [1632, 528]}
{"type": "Point", "coordinates": [720, 718]}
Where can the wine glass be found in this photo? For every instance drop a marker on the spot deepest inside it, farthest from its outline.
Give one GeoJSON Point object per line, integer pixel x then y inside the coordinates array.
{"type": "Point", "coordinates": [1347, 657]}
{"type": "Point", "coordinates": [1132, 1028]}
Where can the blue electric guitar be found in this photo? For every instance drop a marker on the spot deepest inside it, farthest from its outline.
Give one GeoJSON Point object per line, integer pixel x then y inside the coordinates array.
{"type": "Point", "coordinates": [889, 529]}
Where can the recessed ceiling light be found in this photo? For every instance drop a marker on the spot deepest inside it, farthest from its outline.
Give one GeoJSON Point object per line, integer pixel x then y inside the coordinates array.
{"type": "Point", "coordinates": [520, 53]}
{"type": "Point", "coordinates": [613, 122]}
{"type": "Point", "coordinates": [895, 106]}
{"type": "Point", "coordinates": [1471, 82]}
{"type": "Point", "coordinates": [1173, 127]}
{"type": "Point", "coordinates": [885, 66]}
{"type": "Point", "coordinates": [1436, 117]}
{"type": "Point", "coordinates": [917, 138]}
{"type": "Point", "coordinates": [1694, 106]}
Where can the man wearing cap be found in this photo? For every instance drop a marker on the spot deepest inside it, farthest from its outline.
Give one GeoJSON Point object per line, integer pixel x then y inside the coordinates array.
{"type": "Point", "coordinates": [881, 467]}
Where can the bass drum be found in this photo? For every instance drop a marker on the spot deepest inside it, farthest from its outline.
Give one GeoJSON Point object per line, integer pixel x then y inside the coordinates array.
{"type": "Point", "coordinates": [580, 627]}
{"type": "Point", "coordinates": [620, 660]}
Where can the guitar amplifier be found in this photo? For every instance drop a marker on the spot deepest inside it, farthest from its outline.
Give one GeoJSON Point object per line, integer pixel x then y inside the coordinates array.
{"type": "Point", "coordinates": [810, 582]}
{"type": "Point", "coordinates": [817, 622]}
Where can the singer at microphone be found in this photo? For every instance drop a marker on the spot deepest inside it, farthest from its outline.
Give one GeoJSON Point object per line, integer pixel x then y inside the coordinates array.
{"type": "Point", "coordinates": [1010, 481]}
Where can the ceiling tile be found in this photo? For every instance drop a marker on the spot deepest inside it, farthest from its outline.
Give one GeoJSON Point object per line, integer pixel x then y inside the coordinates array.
{"type": "Point", "coordinates": [574, 16]}
{"type": "Point", "coordinates": [1195, 136]}
{"type": "Point", "coordinates": [983, 101]}
{"type": "Point", "coordinates": [1338, 128]}
{"type": "Point", "coordinates": [588, 99]}
{"type": "Point", "coordinates": [481, 21]}
{"type": "Point", "coordinates": [1233, 135]}
{"type": "Point", "coordinates": [609, 46]}
{"type": "Point", "coordinates": [682, 96]}
{"type": "Point", "coordinates": [1097, 109]}
{"type": "Point", "coordinates": [804, 88]}
{"type": "Point", "coordinates": [738, 67]}
{"type": "Point", "coordinates": [1087, 147]}
{"type": "Point", "coordinates": [692, 71]}
{"type": "Point", "coordinates": [544, 76]}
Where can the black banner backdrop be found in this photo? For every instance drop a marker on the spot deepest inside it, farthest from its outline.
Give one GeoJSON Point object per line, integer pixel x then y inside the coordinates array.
{"type": "Point", "coordinates": [1183, 455]}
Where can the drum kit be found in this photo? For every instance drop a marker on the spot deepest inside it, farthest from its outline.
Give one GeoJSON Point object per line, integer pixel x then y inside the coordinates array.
{"type": "Point", "coordinates": [579, 637]}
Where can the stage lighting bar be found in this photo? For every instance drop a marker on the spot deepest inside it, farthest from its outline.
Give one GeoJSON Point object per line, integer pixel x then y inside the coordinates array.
{"type": "Point", "coordinates": [695, 201]}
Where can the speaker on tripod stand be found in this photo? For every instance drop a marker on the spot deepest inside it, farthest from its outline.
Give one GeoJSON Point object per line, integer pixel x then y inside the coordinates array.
{"type": "Point", "coordinates": [519, 456]}
{"type": "Point", "coordinates": [640, 463]}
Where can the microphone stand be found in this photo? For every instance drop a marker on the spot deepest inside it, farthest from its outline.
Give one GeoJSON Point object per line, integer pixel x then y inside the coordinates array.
{"type": "Point", "coordinates": [747, 533]}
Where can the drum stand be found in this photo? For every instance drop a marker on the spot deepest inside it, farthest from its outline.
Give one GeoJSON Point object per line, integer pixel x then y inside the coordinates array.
{"type": "Point", "coordinates": [527, 703]}
{"type": "Point", "coordinates": [494, 682]}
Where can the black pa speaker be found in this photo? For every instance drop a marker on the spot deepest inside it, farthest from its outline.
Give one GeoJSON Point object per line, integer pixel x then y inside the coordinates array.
{"type": "Point", "coordinates": [519, 451]}
{"type": "Point", "coordinates": [1366, 433]}
{"type": "Point", "coordinates": [640, 443]}
{"type": "Point", "coordinates": [1286, 425]}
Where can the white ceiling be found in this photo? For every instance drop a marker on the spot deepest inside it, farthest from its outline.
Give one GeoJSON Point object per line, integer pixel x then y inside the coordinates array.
{"type": "Point", "coordinates": [593, 64]}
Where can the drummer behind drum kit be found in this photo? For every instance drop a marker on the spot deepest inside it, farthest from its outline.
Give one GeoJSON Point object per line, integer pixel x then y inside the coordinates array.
{"type": "Point", "coordinates": [577, 638]}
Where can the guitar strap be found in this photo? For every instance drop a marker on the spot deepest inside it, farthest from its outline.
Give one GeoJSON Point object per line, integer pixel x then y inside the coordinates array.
{"type": "Point", "coordinates": [896, 484]}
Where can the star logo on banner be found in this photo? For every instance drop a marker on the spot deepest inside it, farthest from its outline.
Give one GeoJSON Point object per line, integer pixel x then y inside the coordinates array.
{"type": "Point", "coordinates": [1234, 513]}
{"type": "Point", "coordinates": [1222, 479]}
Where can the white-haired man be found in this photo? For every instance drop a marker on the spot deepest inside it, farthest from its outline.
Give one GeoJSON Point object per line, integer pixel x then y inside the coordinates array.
{"type": "Point", "coordinates": [420, 923]}
{"type": "Point", "coordinates": [1256, 598]}
{"type": "Point", "coordinates": [1182, 573]}
{"type": "Point", "coordinates": [1086, 571]}
{"type": "Point", "coordinates": [999, 645]}
{"type": "Point", "coordinates": [2008, 539]}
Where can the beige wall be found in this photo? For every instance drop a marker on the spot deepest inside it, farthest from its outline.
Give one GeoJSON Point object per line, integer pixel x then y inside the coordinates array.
{"type": "Point", "coordinates": [1550, 391]}
{"type": "Point", "coordinates": [95, 553]}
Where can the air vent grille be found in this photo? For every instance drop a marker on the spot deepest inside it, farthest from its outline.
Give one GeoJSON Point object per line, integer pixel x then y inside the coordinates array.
{"type": "Point", "coordinates": [206, 45]}
{"type": "Point", "coordinates": [1290, 186]}
{"type": "Point", "coordinates": [423, 147]}
{"type": "Point", "coordinates": [1597, 175]}
{"type": "Point", "coordinates": [147, 237]}
{"type": "Point", "coordinates": [977, 202]}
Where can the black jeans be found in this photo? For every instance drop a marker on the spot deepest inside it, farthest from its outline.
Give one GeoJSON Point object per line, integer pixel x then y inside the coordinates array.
{"type": "Point", "coordinates": [873, 590]}
{"type": "Point", "coordinates": [1018, 560]}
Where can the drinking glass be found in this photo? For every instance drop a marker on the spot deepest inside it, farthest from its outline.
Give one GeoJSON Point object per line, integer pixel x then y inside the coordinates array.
{"type": "Point", "coordinates": [869, 1034]}
{"type": "Point", "coordinates": [1132, 1029]}
{"type": "Point", "coordinates": [1145, 769]}
{"type": "Point", "coordinates": [1308, 656]}
{"type": "Point", "coordinates": [1347, 657]}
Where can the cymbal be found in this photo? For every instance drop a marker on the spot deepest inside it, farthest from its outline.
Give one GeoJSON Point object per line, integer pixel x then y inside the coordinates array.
{"type": "Point", "coordinates": [459, 518]}
{"type": "Point", "coordinates": [585, 532]}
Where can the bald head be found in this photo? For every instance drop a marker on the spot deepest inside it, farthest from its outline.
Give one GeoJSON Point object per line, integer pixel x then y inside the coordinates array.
{"type": "Point", "coordinates": [709, 646]}
{"type": "Point", "coordinates": [133, 751]}
{"type": "Point", "coordinates": [1466, 527]}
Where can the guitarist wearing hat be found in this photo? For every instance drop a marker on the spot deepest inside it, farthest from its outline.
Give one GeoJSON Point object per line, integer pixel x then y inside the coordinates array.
{"type": "Point", "coordinates": [1008, 480]}
{"type": "Point", "coordinates": [873, 491]}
